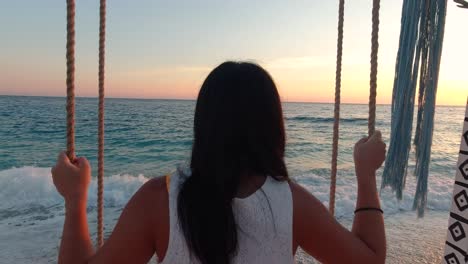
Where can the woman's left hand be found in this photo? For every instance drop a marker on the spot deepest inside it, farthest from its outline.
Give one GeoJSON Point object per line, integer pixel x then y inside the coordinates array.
{"type": "Point", "coordinates": [72, 178]}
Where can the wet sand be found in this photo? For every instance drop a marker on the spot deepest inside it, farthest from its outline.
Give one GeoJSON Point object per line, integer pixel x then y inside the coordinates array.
{"type": "Point", "coordinates": [409, 239]}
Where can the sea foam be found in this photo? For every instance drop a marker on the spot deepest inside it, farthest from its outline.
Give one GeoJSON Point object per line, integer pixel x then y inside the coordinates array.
{"type": "Point", "coordinates": [31, 187]}
{"type": "Point", "coordinates": [32, 212]}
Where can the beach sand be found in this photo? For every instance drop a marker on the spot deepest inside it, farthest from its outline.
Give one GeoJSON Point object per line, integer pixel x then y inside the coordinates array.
{"type": "Point", "coordinates": [409, 240]}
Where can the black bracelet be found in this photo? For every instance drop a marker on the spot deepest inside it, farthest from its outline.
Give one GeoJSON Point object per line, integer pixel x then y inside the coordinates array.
{"type": "Point", "coordinates": [368, 209]}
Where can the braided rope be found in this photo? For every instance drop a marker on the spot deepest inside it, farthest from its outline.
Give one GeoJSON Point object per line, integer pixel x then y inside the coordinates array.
{"type": "Point", "coordinates": [336, 123]}
{"type": "Point", "coordinates": [374, 64]}
{"type": "Point", "coordinates": [100, 200]}
{"type": "Point", "coordinates": [70, 79]}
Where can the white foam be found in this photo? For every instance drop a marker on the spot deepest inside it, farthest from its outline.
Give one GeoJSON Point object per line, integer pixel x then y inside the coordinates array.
{"type": "Point", "coordinates": [438, 199]}
{"type": "Point", "coordinates": [27, 186]}
{"type": "Point", "coordinates": [31, 186]}
{"type": "Point", "coordinates": [28, 238]}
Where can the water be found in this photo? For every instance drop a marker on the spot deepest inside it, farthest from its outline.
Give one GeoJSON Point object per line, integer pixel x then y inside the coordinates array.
{"type": "Point", "coordinates": [149, 138]}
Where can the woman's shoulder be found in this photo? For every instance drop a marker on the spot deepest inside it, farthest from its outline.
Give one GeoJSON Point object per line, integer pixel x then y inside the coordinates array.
{"type": "Point", "coordinates": [153, 199]}
{"type": "Point", "coordinates": [154, 191]}
{"type": "Point", "coordinates": [302, 198]}
{"type": "Point", "coordinates": [297, 190]}
{"type": "Point", "coordinates": [305, 204]}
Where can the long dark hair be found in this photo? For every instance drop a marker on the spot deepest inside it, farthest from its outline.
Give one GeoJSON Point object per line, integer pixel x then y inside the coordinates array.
{"type": "Point", "coordinates": [238, 131]}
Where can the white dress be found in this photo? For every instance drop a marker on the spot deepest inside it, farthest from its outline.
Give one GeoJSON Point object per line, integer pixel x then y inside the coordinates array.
{"type": "Point", "coordinates": [264, 221]}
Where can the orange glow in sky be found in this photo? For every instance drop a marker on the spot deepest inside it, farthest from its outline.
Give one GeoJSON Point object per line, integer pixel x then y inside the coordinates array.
{"type": "Point", "coordinates": [153, 54]}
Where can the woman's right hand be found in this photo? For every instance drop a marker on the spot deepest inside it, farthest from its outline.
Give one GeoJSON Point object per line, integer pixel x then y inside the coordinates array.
{"type": "Point", "coordinates": [72, 178]}
{"type": "Point", "coordinates": [369, 154]}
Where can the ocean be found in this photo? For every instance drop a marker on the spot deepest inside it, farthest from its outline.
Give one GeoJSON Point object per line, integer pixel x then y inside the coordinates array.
{"type": "Point", "coordinates": [148, 138]}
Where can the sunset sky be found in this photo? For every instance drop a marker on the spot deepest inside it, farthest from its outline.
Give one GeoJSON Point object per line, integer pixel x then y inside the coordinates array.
{"type": "Point", "coordinates": [164, 49]}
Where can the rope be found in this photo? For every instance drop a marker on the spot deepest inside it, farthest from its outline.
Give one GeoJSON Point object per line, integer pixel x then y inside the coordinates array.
{"type": "Point", "coordinates": [419, 51]}
{"type": "Point", "coordinates": [374, 64]}
{"type": "Point", "coordinates": [100, 200]}
{"type": "Point", "coordinates": [71, 79]}
{"type": "Point", "coordinates": [336, 123]}
{"type": "Point", "coordinates": [410, 51]}
{"type": "Point", "coordinates": [433, 37]}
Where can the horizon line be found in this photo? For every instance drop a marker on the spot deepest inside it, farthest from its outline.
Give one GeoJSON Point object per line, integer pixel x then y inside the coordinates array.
{"type": "Point", "coordinates": [194, 99]}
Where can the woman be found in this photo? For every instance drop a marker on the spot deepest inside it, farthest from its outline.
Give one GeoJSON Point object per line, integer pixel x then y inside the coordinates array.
{"type": "Point", "coordinates": [237, 203]}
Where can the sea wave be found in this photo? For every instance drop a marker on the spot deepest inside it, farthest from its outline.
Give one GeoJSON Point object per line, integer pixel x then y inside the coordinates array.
{"type": "Point", "coordinates": [438, 197]}
{"type": "Point", "coordinates": [325, 119]}
{"type": "Point", "coordinates": [29, 191]}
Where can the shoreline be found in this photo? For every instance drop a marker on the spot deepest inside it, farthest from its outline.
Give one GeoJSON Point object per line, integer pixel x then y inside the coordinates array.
{"type": "Point", "coordinates": [409, 239]}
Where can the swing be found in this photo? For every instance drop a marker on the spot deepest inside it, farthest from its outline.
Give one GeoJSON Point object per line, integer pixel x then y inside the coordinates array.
{"type": "Point", "coordinates": [71, 96]}
{"type": "Point", "coordinates": [70, 104]}
{"type": "Point", "coordinates": [372, 94]}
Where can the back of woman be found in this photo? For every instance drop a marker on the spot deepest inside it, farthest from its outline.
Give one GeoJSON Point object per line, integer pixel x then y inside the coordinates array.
{"type": "Point", "coordinates": [239, 135]}
{"type": "Point", "coordinates": [235, 203]}
{"type": "Point", "coordinates": [264, 223]}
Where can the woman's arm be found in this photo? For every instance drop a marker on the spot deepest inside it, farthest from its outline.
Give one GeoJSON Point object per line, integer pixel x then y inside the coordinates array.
{"type": "Point", "coordinates": [133, 238]}
{"type": "Point", "coordinates": [369, 225]}
{"type": "Point", "coordinates": [72, 181]}
{"type": "Point", "coordinates": [319, 234]}
{"type": "Point", "coordinates": [76, 244]}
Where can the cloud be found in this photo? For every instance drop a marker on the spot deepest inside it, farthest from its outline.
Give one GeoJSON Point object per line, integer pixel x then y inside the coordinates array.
{"type": "Point", "coordinates": [295, 63]}
{"type": "Point", "coordinates": [319, 61]}
{"type": "Point", "coordinates": [171, 71]}
{"type": "Point", "coordinates": [285, 63]}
